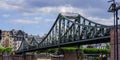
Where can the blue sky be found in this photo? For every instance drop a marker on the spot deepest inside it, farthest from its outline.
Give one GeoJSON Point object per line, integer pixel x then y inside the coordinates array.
{"type": "Point", "coordinates": [37, 16]}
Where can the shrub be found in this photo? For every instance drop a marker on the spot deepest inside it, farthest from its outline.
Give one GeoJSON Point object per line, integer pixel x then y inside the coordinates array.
{"type": "Point", "coordinates": [69, 48]}
{"type": "Point", "coordinates": [85, 50]}
{"type": "Point", "coordinates": [96, 50]}
{"type": "Point", "coordinates": [8, 49]}
{"type": "Point", "coordinates": [2, 49]}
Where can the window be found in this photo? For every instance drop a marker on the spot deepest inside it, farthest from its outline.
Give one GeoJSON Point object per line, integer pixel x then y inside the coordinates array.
{"type": "Point", "coordinates": [11, 38]}
{"type": "Point", "coordinates": [2, 38]}
{"type": "Point", "coordinates": [15, 38]}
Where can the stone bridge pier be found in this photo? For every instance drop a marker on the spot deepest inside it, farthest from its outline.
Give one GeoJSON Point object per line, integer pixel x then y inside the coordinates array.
{"type": "Point", "coordinates": [112, 44]}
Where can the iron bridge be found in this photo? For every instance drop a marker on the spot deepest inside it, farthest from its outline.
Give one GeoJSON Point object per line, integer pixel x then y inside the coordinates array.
{"type": "Point", "coordinates": [69, 29]}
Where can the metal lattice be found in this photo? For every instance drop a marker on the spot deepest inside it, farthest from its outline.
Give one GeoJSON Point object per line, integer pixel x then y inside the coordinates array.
{"type": "Point", "coordinates": [70, 29]}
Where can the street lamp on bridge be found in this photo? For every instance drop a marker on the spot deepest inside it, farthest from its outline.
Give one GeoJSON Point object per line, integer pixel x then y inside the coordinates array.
{"type": "Point", "coordinates": [114, 7]}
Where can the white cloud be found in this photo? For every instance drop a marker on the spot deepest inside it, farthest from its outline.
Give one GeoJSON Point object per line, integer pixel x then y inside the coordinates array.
{"type": "Point", "coordinates": [58, 9]}
{"type": "Point", "coordinates": [5, 5]}
{"type": "Point", "coordinates": [38, 18]}
{"type": "Point", "coordinates": [26, 11]}
{"type": "Point", "coordinates": [104, 21]}
{"type": "Point", "coordinates": [27, 14]}
{"type": "Point", "coordinates": [15, 2]}
{"type": "Point", "coordinates": [6, 15]}
{"type": "Point", "coordinates": [25, 21]}
{"type": "Point", "coordinates": [49, 20]}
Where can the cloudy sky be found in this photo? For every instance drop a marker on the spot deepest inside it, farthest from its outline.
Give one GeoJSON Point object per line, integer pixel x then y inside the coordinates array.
{"type": "Point", "coordinates": [37, 16]}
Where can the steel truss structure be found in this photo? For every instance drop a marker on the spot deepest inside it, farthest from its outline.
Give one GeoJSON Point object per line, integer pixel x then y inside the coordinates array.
{"type": "Point", "coordinates": [69, 29]}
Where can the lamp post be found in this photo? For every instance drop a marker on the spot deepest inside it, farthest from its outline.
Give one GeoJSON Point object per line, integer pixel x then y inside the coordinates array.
{"type": "Point", "coordinates": [114, 9]}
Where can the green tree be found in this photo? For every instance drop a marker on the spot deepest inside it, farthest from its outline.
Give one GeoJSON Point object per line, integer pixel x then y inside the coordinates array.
{"type": "Point", "coordinates": [2, 49]}
{"type": "Point", "coordinates": [108, 45]}
{"type": "Point", "coordinates": [8, 50]}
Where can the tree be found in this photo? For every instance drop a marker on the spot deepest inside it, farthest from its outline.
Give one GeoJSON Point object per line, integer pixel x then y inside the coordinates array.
{"type": "Point", "coordinates": [2, 49]}
{"type": "Point", "coordinates": [8, 50]}
{"type": "Point", "coordinates": [81, 54]}
{"type": "Point", "coordinates": [108, 45]}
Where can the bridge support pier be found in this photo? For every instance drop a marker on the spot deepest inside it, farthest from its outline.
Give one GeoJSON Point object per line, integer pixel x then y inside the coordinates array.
{"type": "Point", "coordinates": [69, 55]}
{"type": "Point", "coordinates": [113, 44]}
{"type": "Point", "coordinates": [24, 56]}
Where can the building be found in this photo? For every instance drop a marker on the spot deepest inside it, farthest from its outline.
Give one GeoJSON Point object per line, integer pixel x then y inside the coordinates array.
{"type": "Point", "coordinates": [13, 38]}
{"type": "Point", "coordinates": [7, 39]}
{"type": "Point", "coordinates": [99, 45]}
{"type": "Point", "coordinates": [19, 36]}
{"type": "Point", "coordinates": [34, 38]}
{"type": "Point", "coordinates": [38, 38]}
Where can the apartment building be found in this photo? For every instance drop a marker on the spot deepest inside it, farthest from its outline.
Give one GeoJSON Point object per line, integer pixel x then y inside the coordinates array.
{"type": "Point", "coordinates": [19, 37]}
{"type": "Point", "coordinates": [7, 39]}
{"type": "Point", "coordinates": [12, 38]}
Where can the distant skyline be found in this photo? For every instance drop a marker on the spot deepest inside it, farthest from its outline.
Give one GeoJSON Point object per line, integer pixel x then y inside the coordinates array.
{"type": "Point", "coordinates": [37, 16]}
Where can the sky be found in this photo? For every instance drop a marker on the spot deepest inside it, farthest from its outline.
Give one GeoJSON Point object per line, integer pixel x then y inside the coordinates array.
{"type": "Point", "coordinates": [37, 16]}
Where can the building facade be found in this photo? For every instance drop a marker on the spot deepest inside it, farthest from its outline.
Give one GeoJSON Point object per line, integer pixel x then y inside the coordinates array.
{"type": "Point", "coordinates": [7, 39]}
{"type": "Point", "coordinates": [19, 36]}
{"type": "Point", "coordinates": [12, 38]}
